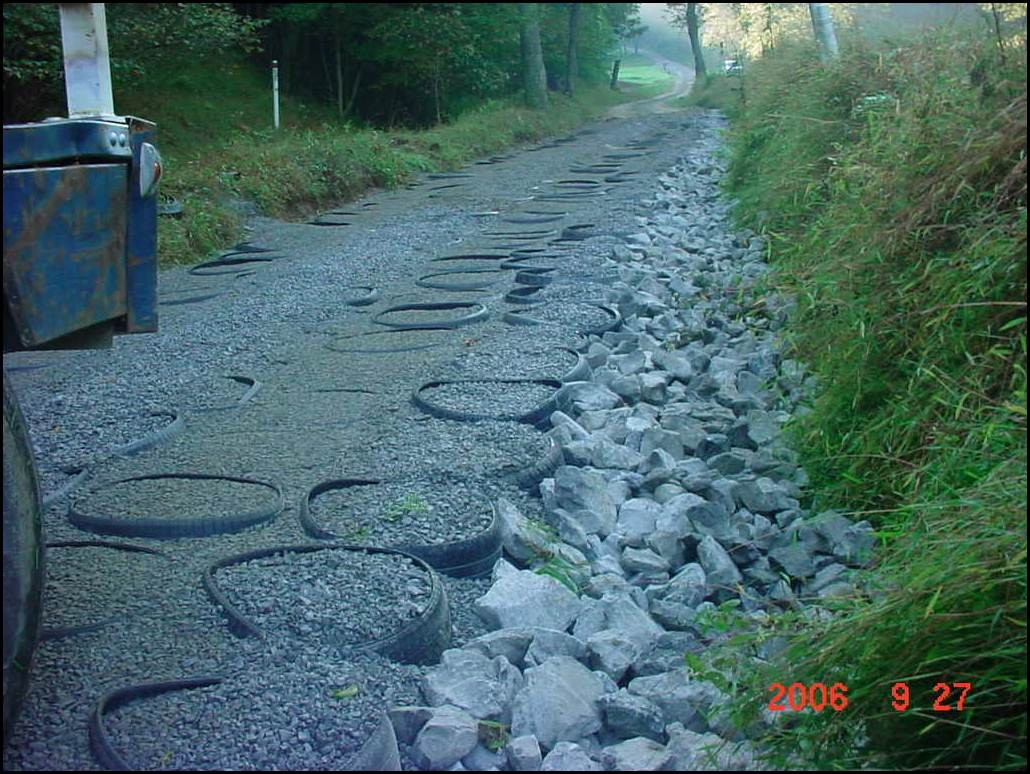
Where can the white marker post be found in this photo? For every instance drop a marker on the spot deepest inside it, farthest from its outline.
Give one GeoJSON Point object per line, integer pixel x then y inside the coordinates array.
{"type": "Point", "coordinates": [87, 70]}
{"type": "Point", "coordinates": [275, 92]}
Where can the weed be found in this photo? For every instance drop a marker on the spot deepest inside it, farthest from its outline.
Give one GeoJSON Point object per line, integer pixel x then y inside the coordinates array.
{"type": "Point", "coordinates": [406, 507]}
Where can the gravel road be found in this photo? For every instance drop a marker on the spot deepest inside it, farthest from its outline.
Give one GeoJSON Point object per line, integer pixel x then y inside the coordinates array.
{"type": "Point", "coordinates": [324, 410]}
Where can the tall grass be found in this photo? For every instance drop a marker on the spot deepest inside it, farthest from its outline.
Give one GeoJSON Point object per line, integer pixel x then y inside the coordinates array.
{"type": "Point", "coordinates": [892, 187]}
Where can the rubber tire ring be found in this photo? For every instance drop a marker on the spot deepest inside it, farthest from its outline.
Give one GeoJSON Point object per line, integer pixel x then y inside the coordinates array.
{"type": "Point", "coordinates": [163, 529]}
{"type": "Point", "coordinates": [200, 269]}
{"type": "Point", "coordinates": [366, 300]}
{"type": "Point", "coordinates": [415, 348]}
{"type": "Point", "coordinates": [529, 478]}
{"type": "Point", "coordinates": [427, 281]}
{"type": "Point", "coordinates": [48, 633]}
{"type": "Point", "coordinates": [421, 641]}
{"type": "Point", "coordinates": [532, 417]}
{"type": "Point", "coordinates": [472, 557]}
{"type": "Point", "coordinates": [99, 741]}
{"type": "Point", "coordinates": [166, 433]}
{"type": "Point", "coordinates": [478, 314]}
{"type": "Point", "coordinates": [524, 295]}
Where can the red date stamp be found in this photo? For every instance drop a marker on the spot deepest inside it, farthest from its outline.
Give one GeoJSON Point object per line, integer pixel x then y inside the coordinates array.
{"type": "Point", "coordinates": [948, 697]}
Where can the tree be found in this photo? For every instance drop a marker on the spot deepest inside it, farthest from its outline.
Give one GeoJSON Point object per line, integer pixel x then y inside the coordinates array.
{"type": "Point", "coordinates": [694, 32]}
{"type": "Point", "coordinates": [822, 24]}
{"type": "Point", "coordinates": [571, 65]}
{"type": "Point", "coordinates": [533, 73]}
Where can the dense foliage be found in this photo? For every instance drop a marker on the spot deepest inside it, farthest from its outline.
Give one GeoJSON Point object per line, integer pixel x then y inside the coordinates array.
{"type": "Point", "coordinates": [892, 187]}
{"type": "Point", "coordinates": [411, 64]}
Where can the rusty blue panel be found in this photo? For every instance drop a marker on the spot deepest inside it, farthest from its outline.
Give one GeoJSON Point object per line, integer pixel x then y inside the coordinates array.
{"type": "Point", "coordinates": [141, 255]}
{"type": "Point", "coordinates": [64, 248]}
{"type": "Point", "coordinates": [65, 139]}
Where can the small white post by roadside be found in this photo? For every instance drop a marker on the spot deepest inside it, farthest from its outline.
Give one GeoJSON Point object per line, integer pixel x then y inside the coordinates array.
{"type": "Point", "coordinates": [275, 92]}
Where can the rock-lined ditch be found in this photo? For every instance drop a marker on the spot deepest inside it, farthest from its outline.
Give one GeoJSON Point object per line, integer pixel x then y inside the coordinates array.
{"type": "Point", "coordinates": [652, 489]}
{"type": "Point", "coordinates": [677, 495]}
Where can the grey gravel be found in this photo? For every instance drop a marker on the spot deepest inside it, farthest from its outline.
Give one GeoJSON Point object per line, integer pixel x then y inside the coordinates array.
{"type": "Point", "coordinates": [334, 596]}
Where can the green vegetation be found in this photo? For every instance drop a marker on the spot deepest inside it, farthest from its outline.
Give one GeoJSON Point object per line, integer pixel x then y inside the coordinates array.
{"type": "Point", "coordinates": [717, 92]}
{"type": "Point", "coordinates": [645, 77]}
{"type": "Point", "coordinates": [372, 93]}
{"type": "Point", "coordinates": [892, 189]}
{"type": "Point", "coordinates": [493, 734]}
{"type": "Point", "coordinates": [347, 692]}
{"type": "Point", "coordinates": [409, 505]}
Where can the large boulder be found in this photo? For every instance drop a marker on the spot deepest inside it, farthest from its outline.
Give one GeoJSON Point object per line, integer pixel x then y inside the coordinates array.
{"type": "Point", "coordinates": [481, 686]}
{"type": "Point", "coordinates": [559, 702]}
{"type": "Point", "coordinates": [447, 737]}
{"type": "Point", "coordinates": [524, 598]}
{"type": "Point", "coordinates": [583, 494]}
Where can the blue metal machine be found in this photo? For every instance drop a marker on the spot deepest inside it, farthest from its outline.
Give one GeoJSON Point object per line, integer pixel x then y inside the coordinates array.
{"type": "Point", "coordinates": [80, 265]}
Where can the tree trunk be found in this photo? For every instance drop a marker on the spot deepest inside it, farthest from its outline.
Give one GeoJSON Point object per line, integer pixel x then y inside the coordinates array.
{"type": "Point", "coordinates": [533, 73]}
{"type": "Point", "coordinates": [353, 93]}
{"type": "Point", "coordinates": [822, 24]}
{"type": "Point", "coordinates": [339, 76]}
{"type": "Point", "coordinates": [615, 75]}
{"type": "Point", "coordinates": [571, 63]}
{"type": "Point", "coordinates": [436, 96]}
{"type": "Point", "coordinates": [694, 31]}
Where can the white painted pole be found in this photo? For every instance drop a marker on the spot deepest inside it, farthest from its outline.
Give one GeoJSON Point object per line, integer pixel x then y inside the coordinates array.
{"type": "Point", "coordinates": [87, 67]}
{"type": "Point", "coordinates": [275, 92]}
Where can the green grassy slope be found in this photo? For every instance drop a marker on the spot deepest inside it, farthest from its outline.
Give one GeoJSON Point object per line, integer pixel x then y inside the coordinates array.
{"type": "Point", "coordinates": [215, 134]}
{"type": "Point", "coordinates": [892, 187]}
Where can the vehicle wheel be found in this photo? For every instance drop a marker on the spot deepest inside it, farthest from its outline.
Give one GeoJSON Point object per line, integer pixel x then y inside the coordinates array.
{"type": "Point", "coordinates": [23, 558]}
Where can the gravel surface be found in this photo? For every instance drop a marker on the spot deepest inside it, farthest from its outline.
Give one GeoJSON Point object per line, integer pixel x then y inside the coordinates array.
{"type": "Point", "coordinates": [171, 498]}
{"type": "Point", "coordinates": [333, 596]}
{"type": "Point", "coordinates": [287, 324]}
{"type": "Point", "coordinates": [488, 398]}
{"type": "Point", "coordinates": [404, 512]}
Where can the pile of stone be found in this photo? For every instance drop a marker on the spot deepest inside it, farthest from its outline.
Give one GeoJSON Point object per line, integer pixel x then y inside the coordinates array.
{"type": "Point", "coordinates": [677, 495]}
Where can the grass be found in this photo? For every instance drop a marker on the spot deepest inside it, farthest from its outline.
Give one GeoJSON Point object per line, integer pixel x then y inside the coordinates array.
{"type": "Point", "coordinates": [643, 77]}
{"type": "Point", "coordinates": [219, 148]}
{"type": "Point", "coordinates": [892, 190]}
{"type": "Point", "coordinates": [717, 92]}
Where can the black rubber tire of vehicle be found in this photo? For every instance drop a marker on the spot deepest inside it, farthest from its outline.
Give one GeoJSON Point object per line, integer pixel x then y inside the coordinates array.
{"type": "Point", "coordinates": [23, 558]}
{"type": "Point", "coordinates": [478, 313]}
{"type": "Point", "coordinates": [60, 632]}
{"type": "Point", "coordinates": [420, 641]}
{"type": "Point", "coordinates": [472, 557]}
{"type": "Point", "coordinates": [99, 741]}
{"type": "Point", "coordinates": [534, 416]}
{"type": "Point", "coordinates": [165, 529]}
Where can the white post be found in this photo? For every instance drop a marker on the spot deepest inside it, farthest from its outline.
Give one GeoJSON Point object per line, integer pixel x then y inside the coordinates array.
{"type": "Point", "coordinates": [87, 68]}
{"type": "Point", "coordinates": [275, 92]}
